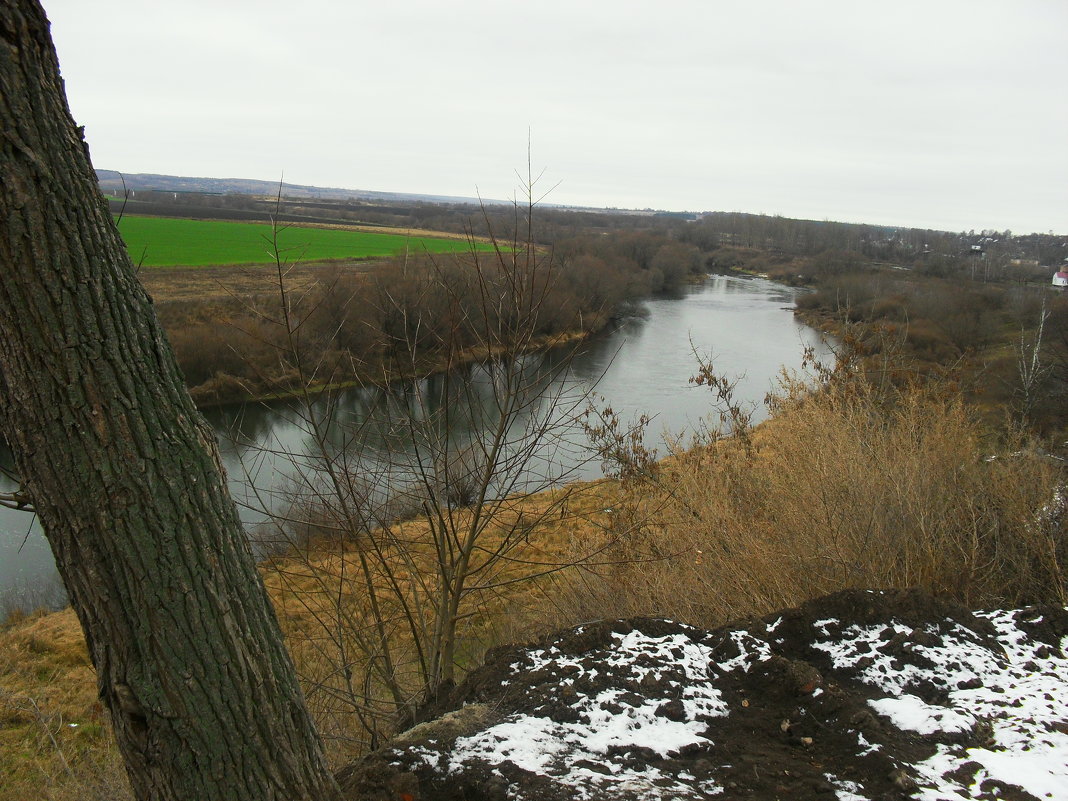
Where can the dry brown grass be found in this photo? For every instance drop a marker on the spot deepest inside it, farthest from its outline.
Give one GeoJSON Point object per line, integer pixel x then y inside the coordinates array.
{"type": "Point", "coordinates": [47, 682]}
{"type": "Point", "coordinates": [414, 233]}
{"type": "Point", "coordinates": [210, 285]}
{"type": "Point", "coordinates": [846, 488]}
{"type": "Point", "coordinates": [330, 625]}
{"type": "Point", "coordinates": [55, 739]}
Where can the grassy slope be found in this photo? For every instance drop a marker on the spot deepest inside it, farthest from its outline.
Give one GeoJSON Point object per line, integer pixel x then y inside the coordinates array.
{"type": "Point", "coordinates": [159, 241]}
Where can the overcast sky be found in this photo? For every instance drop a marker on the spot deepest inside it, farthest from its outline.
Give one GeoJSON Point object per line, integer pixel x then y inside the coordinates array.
{"type": "Point", "coordinates": [948, 114]}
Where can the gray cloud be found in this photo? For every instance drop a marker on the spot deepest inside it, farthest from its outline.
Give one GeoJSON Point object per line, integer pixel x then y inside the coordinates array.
{"type": "Point", "coordinates": [943, 114]}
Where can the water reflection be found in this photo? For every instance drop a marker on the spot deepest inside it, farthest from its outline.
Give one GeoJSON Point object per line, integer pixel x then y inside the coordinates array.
{"type": "Point", "coordinates": [391, 447]}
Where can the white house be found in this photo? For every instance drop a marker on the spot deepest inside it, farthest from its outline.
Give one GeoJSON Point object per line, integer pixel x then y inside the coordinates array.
{"type": "Point", "coordinates": [1060, 278]}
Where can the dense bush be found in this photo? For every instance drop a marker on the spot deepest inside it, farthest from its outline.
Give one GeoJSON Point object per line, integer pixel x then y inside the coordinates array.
{"type": "Point", "coordinates": [351, 324]}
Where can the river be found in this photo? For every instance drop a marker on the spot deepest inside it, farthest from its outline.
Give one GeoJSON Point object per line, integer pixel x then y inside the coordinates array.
{"type": "Point", "coordinates": [744, 324]}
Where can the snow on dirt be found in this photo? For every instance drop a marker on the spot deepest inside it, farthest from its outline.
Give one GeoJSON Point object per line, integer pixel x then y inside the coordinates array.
{"type": "Point", "coordinates": [1016, 694]}
{"type": "Point", "coordinates": [859, 696]}
{"type": "Point", "coordinates": [585, 747]}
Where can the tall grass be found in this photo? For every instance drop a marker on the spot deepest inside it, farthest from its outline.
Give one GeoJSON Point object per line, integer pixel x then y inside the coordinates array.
{"type": "Point", "coordinates": [858, 484]}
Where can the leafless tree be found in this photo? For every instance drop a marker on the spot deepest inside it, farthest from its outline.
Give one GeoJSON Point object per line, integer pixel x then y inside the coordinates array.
{"type": "Point", "coordinates": [403, 520]}
{"type": "Point", "coordinates": [125, 477]}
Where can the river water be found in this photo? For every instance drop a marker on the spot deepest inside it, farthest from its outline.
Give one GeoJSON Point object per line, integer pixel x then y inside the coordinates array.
{"type": "Point", "coordinates": [643, 367]}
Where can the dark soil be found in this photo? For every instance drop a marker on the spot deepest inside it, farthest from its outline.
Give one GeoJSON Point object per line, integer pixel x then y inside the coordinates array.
{"type": "Point", "coordinates": [795, 725]}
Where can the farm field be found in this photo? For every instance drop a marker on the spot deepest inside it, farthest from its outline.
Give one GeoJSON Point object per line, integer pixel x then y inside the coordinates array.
{"type": "Point", "coordinates": [165, 242]}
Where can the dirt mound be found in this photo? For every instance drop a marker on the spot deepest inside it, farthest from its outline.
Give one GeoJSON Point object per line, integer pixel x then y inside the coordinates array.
{"type": "Point", "coordinates": [859, 695]}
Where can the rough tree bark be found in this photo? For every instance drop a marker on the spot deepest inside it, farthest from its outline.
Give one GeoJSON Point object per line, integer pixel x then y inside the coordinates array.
{"type": "Point", "coordinates": [125, 475]}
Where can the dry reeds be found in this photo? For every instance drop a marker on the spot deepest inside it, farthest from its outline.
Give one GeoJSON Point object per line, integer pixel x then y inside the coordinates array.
{"type": "Point", "coordinates": [854, 485]}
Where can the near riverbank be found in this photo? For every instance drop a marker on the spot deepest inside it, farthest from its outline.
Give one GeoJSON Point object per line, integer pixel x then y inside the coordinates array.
{"type": "Point", "coordinates": [862, 484]}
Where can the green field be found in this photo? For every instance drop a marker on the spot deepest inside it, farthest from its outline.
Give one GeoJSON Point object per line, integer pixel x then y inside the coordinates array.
{"type": "Point", "coordinates": [164, 242]}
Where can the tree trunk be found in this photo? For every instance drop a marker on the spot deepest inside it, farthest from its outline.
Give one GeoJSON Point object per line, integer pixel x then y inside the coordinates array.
{"type": "Point", "coordinates": [125, 475]}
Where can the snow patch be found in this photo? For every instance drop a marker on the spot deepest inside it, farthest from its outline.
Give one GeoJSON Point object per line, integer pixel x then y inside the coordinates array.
{"type": "Point", "coordinates": [914, 714]}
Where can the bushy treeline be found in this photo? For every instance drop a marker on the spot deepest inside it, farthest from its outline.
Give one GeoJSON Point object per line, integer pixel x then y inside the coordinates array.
{"type": "Point", "coordinates": [354, 323]}
{"type": "Point", "coordinates": [1011, 338]}
{"type": "Point", "coordinates": [993, 255]}
{"type": "Point", "coordinates": [951, 294]}
{"type": "Point", "coordinates": [372, 325]}
{"type": "Point", "coordinates": [643, 262]}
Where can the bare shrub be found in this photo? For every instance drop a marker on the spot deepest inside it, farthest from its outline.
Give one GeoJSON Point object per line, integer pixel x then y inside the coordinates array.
{"type": "Point", "coordinates": [408, 521]}
{"type": "Point", "coordinates": [928, 341]}
{"type": "Point", "coordinates": [890, 307]}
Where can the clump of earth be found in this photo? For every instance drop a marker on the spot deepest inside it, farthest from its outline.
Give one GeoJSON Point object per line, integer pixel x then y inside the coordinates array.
{"type": "Point", "coordinates": [859, 695]}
